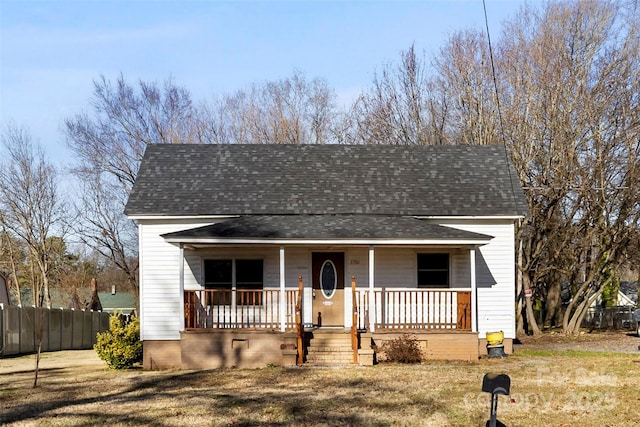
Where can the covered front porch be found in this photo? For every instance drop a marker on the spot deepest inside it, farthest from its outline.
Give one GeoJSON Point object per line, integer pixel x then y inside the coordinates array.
{"type": "Point", "coordinates": [367, 290]}
{"type": "Point", "coordinates": [439, 319]}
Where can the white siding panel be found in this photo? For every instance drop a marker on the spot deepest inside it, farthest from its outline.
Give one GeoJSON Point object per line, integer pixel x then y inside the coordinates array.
{"type": "Point", "coordinates": [192, 271]}
{"type": "Point", "coordinates": [161, 301]}
{"type": "Point", "coordinates": [396, 267]}
{"type": "Point", "coordinates": [460, 269]}
{"type": "Point", "coordinates": [495, 274]}
{"type": "Point", "coordinates": [297, 262]}
{"type": "Point", "coordinates": [357, 264]}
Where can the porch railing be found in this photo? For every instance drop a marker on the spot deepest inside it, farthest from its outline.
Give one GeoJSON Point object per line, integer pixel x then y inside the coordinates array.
{"type": "Point", "coordinates": [246, 309]}
{"type": "Point", "coordinates": [390, 309]}
{"type": "Point", "coordinates": [410, 309]}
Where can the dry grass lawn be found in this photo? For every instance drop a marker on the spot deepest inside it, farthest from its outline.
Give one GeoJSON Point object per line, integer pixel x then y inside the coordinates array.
{"type": "Point", "coordinates": [563, 388]}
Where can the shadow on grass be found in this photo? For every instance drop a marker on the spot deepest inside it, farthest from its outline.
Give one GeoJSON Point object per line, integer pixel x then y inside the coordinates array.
{"type": "Point", "coordinates": [40, 371]}
{"type": "Point", "coordinates": [258, 398]}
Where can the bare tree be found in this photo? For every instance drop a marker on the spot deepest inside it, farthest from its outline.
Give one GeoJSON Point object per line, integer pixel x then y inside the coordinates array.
{"type": "Point", "coordinates": [464, 103]}
{"type": "Point", "coordinates": [104, 228]}
{"type": "Point", "coordinates": [32, 208]}
{"type": "Point", "coordinates": [570, 95]}
{"type": "Point", "coordinates": [395, 109]}
{"type": "Point", "coordinates": [125, 120]}
{"type": "Point", "coordinates": [109, 144]}
{"type": "Point", "coordinates": [31, 202]}
{"type": "Point", "coordinates": [292, 110]}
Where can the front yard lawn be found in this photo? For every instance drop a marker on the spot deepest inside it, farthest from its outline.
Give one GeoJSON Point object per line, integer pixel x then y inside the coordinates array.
{"type": "Point", "coordinates": [560, 388]}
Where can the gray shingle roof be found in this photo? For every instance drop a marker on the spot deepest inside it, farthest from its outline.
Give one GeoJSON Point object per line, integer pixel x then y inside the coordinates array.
{"type": "Point", "coordinates": [120, 301]}
{"type": "Point", "coordinates": [326, 179]}
{"type": "Point", "coordinates": [329, 227]}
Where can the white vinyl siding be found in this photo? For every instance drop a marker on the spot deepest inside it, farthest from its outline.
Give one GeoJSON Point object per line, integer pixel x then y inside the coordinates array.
{"type": "Point", "coordinates": [495, 274]}
{"type": "Point", "coordinates": [160, 296]}
{"type": "Point", "coordinates": [356, 263]}
{"type": "Point", "coordinates": [395, 267]}
{"type": "Point", "coordinates": [460, 268]}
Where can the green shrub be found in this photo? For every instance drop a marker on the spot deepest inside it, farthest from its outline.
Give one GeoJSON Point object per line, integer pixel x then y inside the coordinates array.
{"type": "Point", "coordinates": [404, 349]}
{"type": "Point", "coordinates": [120, 346]}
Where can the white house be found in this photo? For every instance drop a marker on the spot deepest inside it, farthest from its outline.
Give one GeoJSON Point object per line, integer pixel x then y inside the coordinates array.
{"type": "Point", "coordinates": [258, 254]}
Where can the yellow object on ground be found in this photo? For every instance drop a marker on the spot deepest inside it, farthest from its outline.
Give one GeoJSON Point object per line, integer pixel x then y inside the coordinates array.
{"type": "Point", "coordinates": [494, 338]}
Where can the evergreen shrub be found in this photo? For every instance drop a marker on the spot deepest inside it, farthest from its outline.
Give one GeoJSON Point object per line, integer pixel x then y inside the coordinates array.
{"type": "Point", "coordinates": [120, 346]}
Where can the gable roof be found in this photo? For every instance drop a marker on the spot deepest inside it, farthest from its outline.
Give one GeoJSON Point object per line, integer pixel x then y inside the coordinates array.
{"type": "Point", "coordinates": [630, 291]}
{"type": "Point", "coordinates": [190, 180]}
{"type": "Point", "coordinates": [117, 301]}
{"type": "Point", "coordinates": [292, 228]}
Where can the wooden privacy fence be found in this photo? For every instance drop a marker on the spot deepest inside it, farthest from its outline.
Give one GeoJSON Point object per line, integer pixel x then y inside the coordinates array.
{"type": "Point", "coordinates": [60, 329]}
{"type": "Point", "coordinates": [406, 309]}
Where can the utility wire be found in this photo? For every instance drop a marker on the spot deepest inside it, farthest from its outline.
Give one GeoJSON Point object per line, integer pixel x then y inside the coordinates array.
{"type": "Point", "coordinates": [495, 87]}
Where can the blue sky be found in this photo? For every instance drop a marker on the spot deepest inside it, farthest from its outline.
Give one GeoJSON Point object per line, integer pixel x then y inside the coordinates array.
{"type": "Point", "coordinates": [51, 51]}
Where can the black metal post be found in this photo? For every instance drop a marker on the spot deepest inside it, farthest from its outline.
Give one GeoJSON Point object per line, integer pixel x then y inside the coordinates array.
{"type": "Point", "coordinates": [496, 384]}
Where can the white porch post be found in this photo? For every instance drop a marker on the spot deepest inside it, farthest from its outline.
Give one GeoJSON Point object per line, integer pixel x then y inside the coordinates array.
{"type": "Point", "coordinates": [181, 282]}
{"type": "Point", "coordinates": [234, 296]}
{"type": "Point", "coordinates": [372, 308]}
{"type": "Point", "coordinates": [283, 295]}
{"type": "Point", "coordinates": [474, 310]}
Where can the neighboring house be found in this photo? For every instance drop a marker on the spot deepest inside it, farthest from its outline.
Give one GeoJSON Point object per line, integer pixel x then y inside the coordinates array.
{"type": "Point", "coordinates": [254, 254]}
{"type": "Point", "coordinates": [622, 301]}
{"type": "Point", "coordinates": [618, 315]}
{"type": "Point", "coordinates": [630, 292]}
{"type": "Point", "coordinates": [117, 302]}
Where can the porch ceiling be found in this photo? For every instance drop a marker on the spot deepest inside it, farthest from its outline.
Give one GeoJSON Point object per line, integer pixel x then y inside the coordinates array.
{"type": "Point", "coordinates": [347, 229]}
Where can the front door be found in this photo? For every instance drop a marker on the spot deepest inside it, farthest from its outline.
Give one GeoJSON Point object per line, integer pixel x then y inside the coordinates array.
{"type": "Point", "coordinates": [328, 288]}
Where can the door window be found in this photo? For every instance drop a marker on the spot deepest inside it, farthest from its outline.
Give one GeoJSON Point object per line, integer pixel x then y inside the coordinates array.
{"type": "Point", "coordinates": [328, 279]}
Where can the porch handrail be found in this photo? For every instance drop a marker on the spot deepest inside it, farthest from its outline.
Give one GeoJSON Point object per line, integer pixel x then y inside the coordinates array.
{"type": "Point", "coordinates": [236, 308]}
{"type": "Point", "coordinates": [410, 308]}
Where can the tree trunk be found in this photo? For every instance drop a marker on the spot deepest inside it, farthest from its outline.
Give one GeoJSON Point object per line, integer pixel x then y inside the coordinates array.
{"type": "Point", "coordinates": [14, 270]}
{"type": "Point", "coordinates": [37, 367]}
{"type": "Point", "coordinates": [47, 294]}
{"type": "Point", "coordinates": [520, 313]}
{"type": "Point", "coordinates": [35, 288]}
{"type": "Point", "coordinates": [638, 285]}
{"type": "Point", "coordinates": [578, 315]}
{"type": "Point", "coordinates": [39, 335]}
{"type": "Point", "coordinates": [531, 317]}
{"type": "Point", "coordinates": [553, 302]}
